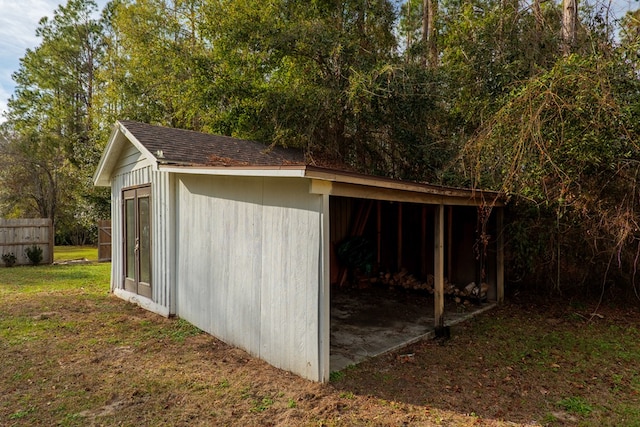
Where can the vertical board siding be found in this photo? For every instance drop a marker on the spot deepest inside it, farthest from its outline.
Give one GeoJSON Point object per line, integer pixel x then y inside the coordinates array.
{"type": "Point", "coordinates": [249, 262]}
{"type": "Point", "coordinates": [161, 227]}
{"type": "Point", "coordinates": [291, 284]}
{"type": "Point", "coordinates": [104, 240]}
{"type": "Point", "coordinates": [16, 235]}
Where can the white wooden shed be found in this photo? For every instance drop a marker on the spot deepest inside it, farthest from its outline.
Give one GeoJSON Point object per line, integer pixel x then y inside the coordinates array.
{"type": "Point", "coordinates": [238, 238]}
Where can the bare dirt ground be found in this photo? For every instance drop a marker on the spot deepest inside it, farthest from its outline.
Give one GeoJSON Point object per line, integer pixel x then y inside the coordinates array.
{"type": "Point", "coordinates": [88, 358]}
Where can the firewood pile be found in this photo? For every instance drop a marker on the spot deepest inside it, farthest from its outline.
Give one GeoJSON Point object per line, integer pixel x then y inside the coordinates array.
{"type": "Point", "coordinates": [403, 279]}
{"type": "Point", "coordinates": [406, 280]}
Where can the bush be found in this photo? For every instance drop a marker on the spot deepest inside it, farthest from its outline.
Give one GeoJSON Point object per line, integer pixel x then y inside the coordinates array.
{"type": "Point", "coordinates": [34, 253]}
{"type": "Point", "coordinates": [9, 259]}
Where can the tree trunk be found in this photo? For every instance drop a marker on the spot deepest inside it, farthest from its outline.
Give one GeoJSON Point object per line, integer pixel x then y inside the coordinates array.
{"type": "Point", "coordinates": [569, 25]}
{"type": "Point", "coordinates": [537, 14]}
{"type": "Point", "coordinates": [536, 55]}
{"type": "Point", "coordinates": [409, 30]}
{"type": "Point", "coordinates": [429, 32]}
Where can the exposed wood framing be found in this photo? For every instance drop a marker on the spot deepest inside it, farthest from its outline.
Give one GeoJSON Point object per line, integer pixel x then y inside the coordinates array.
{"type": "Point", "coordinates": [500, 255]}
{"type": "Point", "coordinates": [399, 236]}
{"type": "Point", "coordinates": [358, 228]}
{"type": "Point", "coordinates": [399, 192]}
{"type": "Point", "coordinates": [379, 231]}
{"type": "Point", "coordinates": [438, 267]}
{"type": "Point", "coordinates": [450, 242]}
{"type": "Point", "coordinates": [423, 241]}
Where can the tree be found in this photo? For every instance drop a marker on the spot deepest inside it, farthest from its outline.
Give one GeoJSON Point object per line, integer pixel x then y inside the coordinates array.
{"type": "Point", "coordinates": [569, 25]}
{"type": "Point", "coordinates": [156, 63]}
{"type": "Point", "coordinates": [283, 72]}
{"type": "Point", "coordinates": [418, 28]}
{"type": "Point", "coordinates": [50, 130]}
{"type": "Point", "coordinates": [567, 142]}
{"type": "Point", "coordinates": [430, 32]}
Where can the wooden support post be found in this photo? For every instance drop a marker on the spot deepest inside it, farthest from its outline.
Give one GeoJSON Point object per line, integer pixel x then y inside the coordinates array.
{"type": "Point", "coordinates": [500, 255]}
{"type": "Point", "coordinates": [438, 269]}
{"type": "Point", "coordinates": [399, 236]}
{"type": "Point", "coordinates": [423, 242]}
{"type": "Point", "coordinates": [52, 240]}
{"type": "Point", "coordinates": [379, 233]}
{"type": "Point", "coordinates": [449, 243]}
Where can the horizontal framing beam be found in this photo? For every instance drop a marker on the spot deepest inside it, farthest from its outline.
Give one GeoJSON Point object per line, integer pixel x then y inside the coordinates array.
{"type": "Point", "coordinates": [29, 243]}
{"type": "Point", "coordinates": [25, 226]}
{"type": "Point", "coordinates": [392, 195]}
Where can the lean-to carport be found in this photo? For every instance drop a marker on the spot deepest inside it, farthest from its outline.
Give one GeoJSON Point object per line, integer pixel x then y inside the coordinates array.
{"type": "Point", "coordinates": [427, 230]}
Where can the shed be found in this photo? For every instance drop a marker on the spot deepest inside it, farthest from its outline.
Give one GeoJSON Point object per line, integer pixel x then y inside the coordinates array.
{"type": "Point", "coordinates": [242, 240]}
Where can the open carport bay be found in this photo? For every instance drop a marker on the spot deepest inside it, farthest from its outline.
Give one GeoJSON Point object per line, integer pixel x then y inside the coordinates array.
{"type": "Point", "coordinates": [369, 322]}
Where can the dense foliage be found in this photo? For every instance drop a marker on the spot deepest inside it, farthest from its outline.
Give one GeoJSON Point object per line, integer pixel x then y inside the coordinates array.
{"type": "Point", "coordinates": [500, 94]}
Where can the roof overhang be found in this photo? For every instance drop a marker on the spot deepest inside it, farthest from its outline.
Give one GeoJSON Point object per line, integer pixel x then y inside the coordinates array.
{"type": "Point", "coordinates": [348, 184]}
{"type": "Point", "coordinates": [264, 171]}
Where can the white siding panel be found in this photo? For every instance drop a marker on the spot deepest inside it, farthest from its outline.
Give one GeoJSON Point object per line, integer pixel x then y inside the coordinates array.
{"type": "Point", "coordinates": [289, 321]}
{"type": "Point", "coordinates": [162, 205]}
{"type": "Point", "coordinates": [219, 272]}
{"type": "Point", "coordinates": [249, 265]}
{"type": "Point", "coordinates": [130, 159]}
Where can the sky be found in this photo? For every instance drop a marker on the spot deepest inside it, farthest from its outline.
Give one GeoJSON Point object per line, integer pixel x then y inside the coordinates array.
{"type": "Point", "coordinates": [19, 20]}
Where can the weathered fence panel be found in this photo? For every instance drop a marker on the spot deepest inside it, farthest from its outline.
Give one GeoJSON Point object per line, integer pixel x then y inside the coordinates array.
{"type": "Point", "coordinates": [104, 240]}
{"type": "Point", "coordinates": [16, 235]}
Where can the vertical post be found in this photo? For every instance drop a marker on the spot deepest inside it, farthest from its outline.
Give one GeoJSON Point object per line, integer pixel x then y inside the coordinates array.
{"type": "Point", "coordinates": [399, 235]}
{"type": "Point", "coordinates": [500, 255]}
{"type": "Point", "coordinates": [449, 243]}
{"type": "Point", "coordinates": [52, 234]}
{"type": "Point", "coordinates": [423, 242]}
{"type": "Point", "coordinates": [438, 269]}
{"type": "Point", "coordinates": [379, 232]}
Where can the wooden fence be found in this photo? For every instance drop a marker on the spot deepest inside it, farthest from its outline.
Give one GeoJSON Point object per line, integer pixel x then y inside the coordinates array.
{"type": "Point", "coordinates": [16, 235]}
{"type": "Point", "coordinates": [104, 240]}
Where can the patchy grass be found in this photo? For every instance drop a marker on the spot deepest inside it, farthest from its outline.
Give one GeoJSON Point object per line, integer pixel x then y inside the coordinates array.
{"type": "Point", "coordinates": [68, 253]}
{"type": "Point", "coordinates": [74, 355]}
{"type": "Point", "coordinates": [576, 405]}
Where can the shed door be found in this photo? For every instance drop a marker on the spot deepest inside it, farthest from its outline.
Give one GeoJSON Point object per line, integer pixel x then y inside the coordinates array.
{"type": "Point", "coordinates": [137, 241]}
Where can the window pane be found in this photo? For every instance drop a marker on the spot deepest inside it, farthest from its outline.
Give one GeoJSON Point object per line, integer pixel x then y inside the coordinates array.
{"type": "Point", "coordinates": [130, 226]}
{"type": "Point", "coordinates": [145, 239]}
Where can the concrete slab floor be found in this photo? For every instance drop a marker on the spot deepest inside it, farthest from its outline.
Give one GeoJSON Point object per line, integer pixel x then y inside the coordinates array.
{"type": "Point", "coordinates": [369, 322]}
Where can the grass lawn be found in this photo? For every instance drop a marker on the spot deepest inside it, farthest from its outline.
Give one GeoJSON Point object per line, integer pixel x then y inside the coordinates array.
{"type": "Point", "coordinates": [74, 355]}
{"type": "Point", "coordinates": [67, 253]}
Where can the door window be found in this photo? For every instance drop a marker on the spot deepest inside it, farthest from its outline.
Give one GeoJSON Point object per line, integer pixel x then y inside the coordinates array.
{"type": "Point", "coordinates": [137, 240]}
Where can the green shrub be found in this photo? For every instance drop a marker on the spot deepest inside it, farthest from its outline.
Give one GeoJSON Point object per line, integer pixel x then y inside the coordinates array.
{"type": "Point", "coordinates": [9, 259]}
{"type": "Point", "coordinates": [34, 253]}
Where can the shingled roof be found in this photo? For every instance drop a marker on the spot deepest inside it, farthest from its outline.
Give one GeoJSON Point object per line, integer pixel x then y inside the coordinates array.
{"type": "Point", "coordinates": [183, 147]}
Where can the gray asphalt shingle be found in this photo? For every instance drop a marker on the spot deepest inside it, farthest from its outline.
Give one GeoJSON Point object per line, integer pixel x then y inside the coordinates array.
{"type": "Point", "coordinates": [201, 149]}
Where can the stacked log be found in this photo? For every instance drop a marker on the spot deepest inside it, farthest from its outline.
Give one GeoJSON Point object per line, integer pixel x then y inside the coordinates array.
{"type": "Point", "coordinates": [403, 279]}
